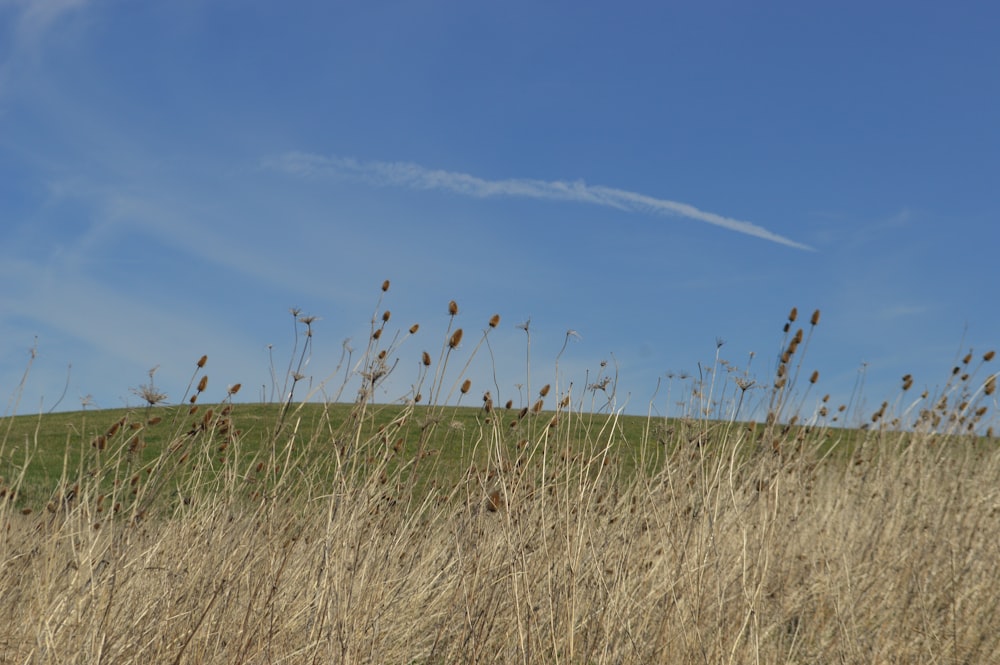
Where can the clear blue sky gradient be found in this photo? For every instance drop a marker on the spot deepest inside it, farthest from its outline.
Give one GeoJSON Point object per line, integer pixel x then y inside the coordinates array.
{"type": "Point", "coordinates": [174, 176]}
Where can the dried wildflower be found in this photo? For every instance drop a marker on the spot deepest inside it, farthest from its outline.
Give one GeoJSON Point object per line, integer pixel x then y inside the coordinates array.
{"type": "Point", "coordinates": [815, 376]}
{"type": "Point", "coordinates": [815, 318]}
{"type": "Point", "coordinates": [385, 316]}
{"type": "Point", "coordinates": [377, 333]}
{"type": "Point", "coordinates": [991, 385]}
{"type": "Point", "coordinates": [456, 339]}
{"type": "Point", "coordinates": [414, 328]}
{"type": "Point", "coordinates": [494, 321]}
{"type": "Point", "coordinates": [509, 404]}
{"type": "Point", "coordinates": [907, 382]}
{"type": "Point", "coordinates": [426, 359]}
{"type": "Point", "coordinates": [537, 407]}
{"type": "Point", "coordinates": [988, 356]}
{"type": "Point", "coordinates": [202, 361]}
{"type": "Point", "coordinates": [452, 307]}
{"type": "Point", "coordinates": [545, 390]}
{"type": "Point", "coordinates": [385, 286]}
{"type": "Point", "coordinates": [466, 385]}
{"type": "Point", "coordinates": [792, 315]}
{"type": "Point", "coordinates": [203, 384]}
{"type": "Point", "coordinates": [150, 394]}
{"type": "Point", "coordinates": [233, 389]}
{"type": "Point", "coordinates": [967, 359]}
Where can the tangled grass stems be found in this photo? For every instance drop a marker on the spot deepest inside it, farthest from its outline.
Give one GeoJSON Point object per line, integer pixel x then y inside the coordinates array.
{"type": "Point", "coordinates": [575, 535]}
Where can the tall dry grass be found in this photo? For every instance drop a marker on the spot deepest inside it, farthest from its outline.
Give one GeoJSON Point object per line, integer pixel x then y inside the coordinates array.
{"type": "Point", "coordinates": [707, 541]}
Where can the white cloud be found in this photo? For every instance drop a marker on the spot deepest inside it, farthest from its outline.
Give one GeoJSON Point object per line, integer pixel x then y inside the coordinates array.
{"type": "Point", "coordinates": [415, 176]}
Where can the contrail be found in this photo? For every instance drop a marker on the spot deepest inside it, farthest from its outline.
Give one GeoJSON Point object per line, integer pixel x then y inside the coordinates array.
{"type": "Point", "coordinates": [415, 176]}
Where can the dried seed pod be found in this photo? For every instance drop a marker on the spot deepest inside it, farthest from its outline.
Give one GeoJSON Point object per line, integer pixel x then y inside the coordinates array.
{"type": "Point", "coordinates": [815, 318]}
{"type": "Point", "coordinates": [203, 384]}
{"type": "Point", "coordinates": [466, 386]}
{"type": "Point", "coordinates": [385, 286]}
{"type": "Point", "coordinates": [792, 315]}
{"type": "Point", "coordinates": [452, 307]}
{"type": "Point", "coordinates": [456, 339]}
{"type": "Point", "coordinates": [202, 361]}
{"type": "Point", "coordinates": [494, 321]}
{"type": "Point", "coordinates": [414, 328]}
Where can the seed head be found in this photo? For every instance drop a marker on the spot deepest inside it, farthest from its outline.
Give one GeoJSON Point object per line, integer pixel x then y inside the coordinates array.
{"type": "Point", "coordinates": [544, 391]}
{"type": "Point", "coordinates": [235, 388]}
{"type": "Point", "coordinates": [815, 377]}
{"type": "Point", "coordinates": [385, 286]}
{"type": "Point", "coordinates": [202, 361]}
{"type": "Point", "coordinates": [203, 384]}
{"type": "Point", "coordinates": [452, 307]}
{"type": "Point", "coordinates": [456, 338]}
{"type": "Point", "coordinates": [988, 356]}
{"type": "Point", "coordinates": [466, 385]}
{"type": "Point", "coordinates": [377, 333]}
{"type": "Point", "coordinates": [385, 316]}
{"type": "Point", "coordinates": [494, 321]}
{"type": "Point", "coordinates": [815, 318]}
{"type": "Point", "coordinates": [414, 328]}
{"type": "Point", "coordinates": [426, 358]}
{"type": "Point", "coordinates": [792, 315]}
{"type": "Point", "coordinates": [991, 385]}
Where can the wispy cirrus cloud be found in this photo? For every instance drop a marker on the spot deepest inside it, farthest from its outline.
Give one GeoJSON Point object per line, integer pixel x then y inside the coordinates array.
{"type": "Point", "coordinates": [415, 176]}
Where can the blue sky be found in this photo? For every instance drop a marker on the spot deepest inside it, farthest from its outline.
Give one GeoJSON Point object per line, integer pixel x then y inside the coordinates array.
{"type": "Point", "coordinates": [175, 176]}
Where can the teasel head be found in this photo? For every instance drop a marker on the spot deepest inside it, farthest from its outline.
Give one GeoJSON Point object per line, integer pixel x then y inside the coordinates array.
{"type": "Point", "coordinates": [426, 359]}
{"type": "Point", "coordinates": [203, 384]}
{"type": "Point", "coordinates": [202, 361]}
{"type": "Point", "coordinates": [377, 333]}
{"type": "Point", "coordinates": [456, 339]}
{"type": "Point", "coordinates": [385, 286]}
{"type": "Point", "coordinates": [233, 389]}
{"type": "Point", "coordinates": [815, 318]}
{"type": "Point", "coordinates": [414, 328]}
{"type": "Point", "coordinates": [545, 390]}
{"type": "Point", "coordinates": [466, 386]}
{"type": "Point", "coordinates": [385, 316]}
{"type": "Point", "coordinates": [452, 307]}
{"type": "Point", "coordinates": [494, 321]}
{"type": "Point", "coordinates": [991, 385]}
{"type": "Point", "coordinates": [792, 315]}
{"type": "Point", "coordinates": [815, 376]}
{"type": "Point", "coordinates": [967, 359]}
{"type": "Point", "coordinates": [907, 382]}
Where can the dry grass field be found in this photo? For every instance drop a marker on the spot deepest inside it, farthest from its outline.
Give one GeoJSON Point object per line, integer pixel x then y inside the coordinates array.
{"type": "Point", "coordinates": [418, 533]}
